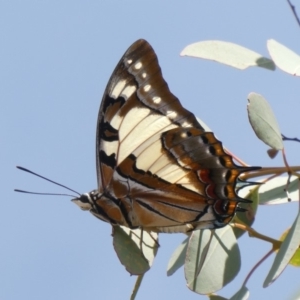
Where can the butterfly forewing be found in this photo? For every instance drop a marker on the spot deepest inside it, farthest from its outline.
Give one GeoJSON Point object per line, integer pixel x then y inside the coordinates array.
{"type": "Point", "coordinates": [157, 168]}
{"type": "Point", "coordinates": [137, 105]}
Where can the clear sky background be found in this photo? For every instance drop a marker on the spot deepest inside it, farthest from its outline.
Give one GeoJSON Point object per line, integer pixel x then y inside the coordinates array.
{"type": "Point", "coordinates": [55, 60]}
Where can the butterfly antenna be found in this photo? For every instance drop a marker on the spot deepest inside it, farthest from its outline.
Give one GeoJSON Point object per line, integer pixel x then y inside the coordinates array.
{"type": "Point", "coordinates": [48, 194]}
{"type": "Point", "coordinates": [28, 171]}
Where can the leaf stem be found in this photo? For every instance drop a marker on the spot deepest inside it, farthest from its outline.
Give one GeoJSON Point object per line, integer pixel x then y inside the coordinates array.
{"type": "Point", "coordinates": [257, 265]}
{"type": "Point", "coordinates": [136, 286]}
{"type": "Point", "coordinates": [253, 233]}
{"type": "Point", "coordinates": [294, 11]}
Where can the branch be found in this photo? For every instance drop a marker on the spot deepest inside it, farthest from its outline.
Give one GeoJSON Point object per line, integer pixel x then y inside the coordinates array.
{"type": "Point", "coordinates": [253, 233]}
{"type": "Point", "coordinates": [257, 265]}
{"type": "Point", "coordinates": [285, 138]}
{"type": "Point", "coordinates": [294, 11]}
{"type": "Point", "coordinates": [136, 286]}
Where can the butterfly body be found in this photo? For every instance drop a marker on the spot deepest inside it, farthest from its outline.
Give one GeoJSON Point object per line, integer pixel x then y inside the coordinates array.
{"type": "Point", "coordinates": [157, 168]}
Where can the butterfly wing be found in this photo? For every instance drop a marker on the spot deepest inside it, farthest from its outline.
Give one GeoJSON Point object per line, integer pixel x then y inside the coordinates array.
{"type": "Point", "coordinates": [137, 104]}
{"type": "Point", "coordinates": [157, 168]}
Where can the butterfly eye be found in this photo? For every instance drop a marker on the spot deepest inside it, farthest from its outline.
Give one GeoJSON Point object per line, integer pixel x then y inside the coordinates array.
{"type": "Point", "coordinates": [84, 201]}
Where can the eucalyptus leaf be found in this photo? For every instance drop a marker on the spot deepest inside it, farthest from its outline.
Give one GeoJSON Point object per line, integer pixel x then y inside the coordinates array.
{"type": "Point", "coordinates": [285, 253]}
{"type": "Point", "coordinates": [263, 121]}
{"type": "Point", "coordinates": [216, 297]}
{"type": "Point", "coordinates": [136, 248]}
{"type": "Point", "coordinates": [242, 294]}
{"type": "Point", "coordinates": [273, 191]}
{"type": "Point", "coordinates": [212, 259]}
{"type": "Point", "coordinates": [178, 257]}
{"type": "Point", "coordinates": [228, 53]}
{"type": "Point", "coordinates": [284, 58]}
{"type": "Point", "coordinates": [295, 260]}
{"type": "Point", "coordinates": [247, 217]}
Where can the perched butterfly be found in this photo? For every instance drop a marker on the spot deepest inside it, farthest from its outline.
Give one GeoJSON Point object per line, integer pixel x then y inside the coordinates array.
{"type": "Point", "coordinates": [157, 168]}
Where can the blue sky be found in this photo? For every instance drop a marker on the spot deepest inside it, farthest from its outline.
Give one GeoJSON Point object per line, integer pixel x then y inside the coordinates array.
{"type": "Point", "coordinates": [55, 60]}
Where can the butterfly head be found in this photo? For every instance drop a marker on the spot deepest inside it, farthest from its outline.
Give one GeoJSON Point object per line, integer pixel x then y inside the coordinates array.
{"type": "Point", "coordinates": [85, 201]}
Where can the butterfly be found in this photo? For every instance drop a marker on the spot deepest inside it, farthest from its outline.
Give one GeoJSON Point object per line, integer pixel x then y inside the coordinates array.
{"type": "Point", "coordinates": [157, 168]}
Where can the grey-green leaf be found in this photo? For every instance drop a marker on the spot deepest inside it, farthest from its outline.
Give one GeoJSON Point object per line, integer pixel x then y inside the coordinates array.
{"type": "Point", "coordinates": [136, 249]}
{"type": "Point", "coordinates": [284, 58]}
{"type": "Point", "coordinates": [247, 217]}
{"type": "Point", "coordinates": [212, 259]}
{"type": "Point", "coordinates": [242, 294]}
{"type": "Point", "coordinates": [216, 297]}
{"type": "Point", "coordinates": [178, 257]}
{"type": "Point", "coordinates": [285, 253]}
{"type": "Point", "coordinates": [229, 54]}
{"type": "Point", "coordinates": [273, 191]}
{"type": "Point", "coordinates": [263, 121]}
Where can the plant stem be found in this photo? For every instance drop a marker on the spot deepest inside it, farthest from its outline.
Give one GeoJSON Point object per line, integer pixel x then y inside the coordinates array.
{"type": "Point", "coordinates": [253, 233]}
{"type": "Point", "coordinates": [136, 286]}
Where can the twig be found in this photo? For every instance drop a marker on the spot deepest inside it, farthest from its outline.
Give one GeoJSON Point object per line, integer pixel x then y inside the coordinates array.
{"type": "Point", "coordinates": [285, 138]}
{"type": "Point", "coordinates": [257, 265]}
{"type": "Point", "coordinates": [136, 286]}
{"type": "Point", "coordinates": [253, 233]}
{"type": "Point", "coordinates": [294, 11]}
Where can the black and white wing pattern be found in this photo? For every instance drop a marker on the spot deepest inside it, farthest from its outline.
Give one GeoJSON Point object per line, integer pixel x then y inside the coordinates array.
{"type": "Point", "coordinates": [157, 168]}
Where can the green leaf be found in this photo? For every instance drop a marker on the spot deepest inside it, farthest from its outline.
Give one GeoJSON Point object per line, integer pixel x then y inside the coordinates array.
{"type": "Point", "coordinates": [285, 253]}
{"type": "Point", "coordinates": [136, 248]}
{"type": "Point", "coordinates": [248, 217]}
{"type": "Point", "coordinates": [216, 297]}
{"type": "Point", "coordinates": [178, 257]}
{"type": "Point", "coordinates": [228, 53]}
{"type": "Point", "coordinates": [295, 260]}
{"type": "Point", "coordinates": [212, 259]}
{"type": "Point", "coordinates": [284, 58]}
{"type": "Point", "coordinates": [242, 294]}
{"type": "Point", "coordinates": [273, 191]}
{"type": "Point", "coordinates": [263, 121]}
